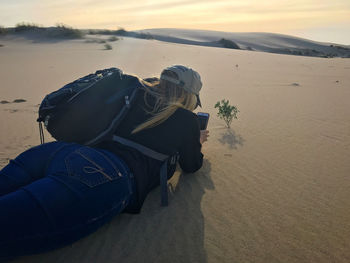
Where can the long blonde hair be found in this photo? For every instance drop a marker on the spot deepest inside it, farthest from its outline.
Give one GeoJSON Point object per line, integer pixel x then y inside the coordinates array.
{"type": "Point", "coordinates": [168, 98]}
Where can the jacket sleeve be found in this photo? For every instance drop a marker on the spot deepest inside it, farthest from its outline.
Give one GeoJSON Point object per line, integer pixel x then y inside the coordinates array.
{"type": "Point", "coordinates": [191, 158]}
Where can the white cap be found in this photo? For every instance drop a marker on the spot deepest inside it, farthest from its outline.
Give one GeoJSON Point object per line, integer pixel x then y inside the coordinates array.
{"type": "Point", "coordinates": [188, 79]}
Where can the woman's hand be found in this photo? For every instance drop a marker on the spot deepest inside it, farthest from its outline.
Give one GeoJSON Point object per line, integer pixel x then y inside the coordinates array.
{"type": "Point", "coordinates": [204, 136]}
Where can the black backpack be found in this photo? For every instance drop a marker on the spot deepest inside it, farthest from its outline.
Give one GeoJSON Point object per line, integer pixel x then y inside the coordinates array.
{"type": "Point", "coordinates": [89, 110]}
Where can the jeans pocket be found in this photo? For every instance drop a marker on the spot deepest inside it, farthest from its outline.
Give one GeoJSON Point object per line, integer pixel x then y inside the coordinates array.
{"type": "Point", "coordinates": [91, 167]}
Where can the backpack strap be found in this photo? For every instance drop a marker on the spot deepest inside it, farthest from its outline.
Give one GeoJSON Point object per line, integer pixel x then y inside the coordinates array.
{"type": "Point", "coordinates": [116, 121]}
{"type": "Point", "coordinates": [155, 155]}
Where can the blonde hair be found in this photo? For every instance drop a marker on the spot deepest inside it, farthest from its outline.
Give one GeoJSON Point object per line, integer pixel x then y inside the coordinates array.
{"type": "Point", "coordinates": [168, 98]}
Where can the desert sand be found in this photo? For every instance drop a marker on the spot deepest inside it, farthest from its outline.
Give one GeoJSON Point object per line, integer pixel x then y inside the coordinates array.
{"type": "Point", "coordinates": [273, 188]}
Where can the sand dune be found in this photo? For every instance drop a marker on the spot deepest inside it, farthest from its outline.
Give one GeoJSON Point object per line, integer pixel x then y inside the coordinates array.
{"type": "Point", "coordinates": [253, 41]}
{"type": "Point", "coordinates": [274, 188]}
{"type": "Point", "coordinates": [266, 42]}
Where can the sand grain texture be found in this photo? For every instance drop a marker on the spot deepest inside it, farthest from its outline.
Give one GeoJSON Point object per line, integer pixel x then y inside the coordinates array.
{"type": "Point", "coordinates": [274, 188]}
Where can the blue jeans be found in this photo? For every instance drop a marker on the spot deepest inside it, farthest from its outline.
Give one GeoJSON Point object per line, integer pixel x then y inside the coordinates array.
{"type": "Point", "coordinates": [56, 193]}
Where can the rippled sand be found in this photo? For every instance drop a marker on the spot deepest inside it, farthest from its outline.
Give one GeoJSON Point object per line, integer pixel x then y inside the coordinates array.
{"type": "Point", "coordinates": [273, 188]}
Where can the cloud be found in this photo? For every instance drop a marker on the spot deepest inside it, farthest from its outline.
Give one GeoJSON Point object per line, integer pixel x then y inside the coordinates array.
{"type": "Point", "coordinates": [225, 15]}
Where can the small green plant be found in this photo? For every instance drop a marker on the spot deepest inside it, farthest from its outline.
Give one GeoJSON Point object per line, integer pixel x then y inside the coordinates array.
{"type": "Point", "coordinates": [226, 111]}
{"type": "Point", "coordinates": [108, 47]}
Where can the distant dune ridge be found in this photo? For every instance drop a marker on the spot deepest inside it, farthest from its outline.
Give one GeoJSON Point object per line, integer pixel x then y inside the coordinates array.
{"type": "Point", "coordinates": [264, 42]}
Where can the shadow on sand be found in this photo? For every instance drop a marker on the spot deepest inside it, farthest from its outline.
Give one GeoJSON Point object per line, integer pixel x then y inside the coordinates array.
{"type": "Point", "coordinates": [232, 139]}
{"type": "Point", "coordinates": [158, 234]}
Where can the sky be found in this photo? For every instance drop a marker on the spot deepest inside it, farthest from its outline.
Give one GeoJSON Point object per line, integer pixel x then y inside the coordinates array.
{"type": "Point", "coordinates": [320, 20]}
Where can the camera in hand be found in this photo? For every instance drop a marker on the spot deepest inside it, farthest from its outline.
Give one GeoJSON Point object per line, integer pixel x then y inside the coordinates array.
{"type": "Point", "coordinates": [203, 119]}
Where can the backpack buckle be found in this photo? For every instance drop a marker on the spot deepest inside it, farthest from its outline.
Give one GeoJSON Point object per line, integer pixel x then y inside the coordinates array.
{"type": "Point", "coordinates": [127, 101]}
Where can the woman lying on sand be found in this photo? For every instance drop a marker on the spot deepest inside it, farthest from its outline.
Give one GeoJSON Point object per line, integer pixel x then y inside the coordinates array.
{"type": "Point", "coordinates": [51, 195]}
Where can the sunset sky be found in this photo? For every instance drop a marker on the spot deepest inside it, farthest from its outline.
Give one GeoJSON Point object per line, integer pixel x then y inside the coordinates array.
{"type": "Point", "coordinates": [321, 20]}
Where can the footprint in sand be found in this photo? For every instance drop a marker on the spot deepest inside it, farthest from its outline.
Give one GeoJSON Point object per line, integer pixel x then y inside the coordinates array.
{"type": "Point", "coordinates": [19, 101]}
{"type": "Point", "coordinates": [21, 110]}
{"type": "Point", "coordinates": [15, 101]}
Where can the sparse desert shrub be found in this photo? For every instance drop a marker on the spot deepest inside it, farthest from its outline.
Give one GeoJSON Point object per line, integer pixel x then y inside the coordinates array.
{"type": "Point", "coordinates": [330, 55]}
{"type": "Point", "coordinates": [3, 30]}
{"type": "Point", "coordinates": [228, 44]}
{"type": "Point", "coordinates": [113, 38]}
{"type": "Point", "coordinates": [108, 47]}
{"type": "Point", "coordinates": [307, 52]}
{"type": "Point", "coordinates": [342, 48]}
{"type": "Point", "coordinates": [105, 32]}
{"type": "Point", "coordinates": [21, 27]}
{"type": "Point", "coordinates": [226, 112]}
{"type": "Point", "coordinates": [98, 32]}
{"type": "Point", "coordinates": [64, 31]}
{"type": "Point", "coordinates": [59, 31]}
{"type": "Point", "coordinates": [120, 32]}
{"type": "Point", "coordinates": [99, 41]}
{"type": "Point", "coordinates": [145, 36]}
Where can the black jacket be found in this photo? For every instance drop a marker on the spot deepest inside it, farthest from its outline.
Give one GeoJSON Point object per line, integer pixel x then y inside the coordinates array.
{"type": "Point", "coordinates": [179, 133]}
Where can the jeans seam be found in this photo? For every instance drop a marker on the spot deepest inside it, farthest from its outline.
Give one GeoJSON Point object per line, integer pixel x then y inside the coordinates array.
{"type": "Point", "coordinates": [57, 179]}
{"type": "Point", "coordinates": [94, 163]}
{"type": "Point", "coordinates": [101, 170]}
{"type": "Point", "coordinates": [111, 163]}
{"type": "Point", "coordinates": [22, 166]}
{"type": "Point", "coordinates": [50, 159]}
{"type": "Point", "coordinates": [69, 172]}
{"type": "Point", "coordinates": [78, 152]}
